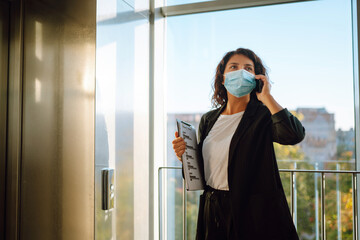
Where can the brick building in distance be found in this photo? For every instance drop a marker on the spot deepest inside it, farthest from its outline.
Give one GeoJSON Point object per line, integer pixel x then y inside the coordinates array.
{"type": "Point", "coordinates": [319, 144]}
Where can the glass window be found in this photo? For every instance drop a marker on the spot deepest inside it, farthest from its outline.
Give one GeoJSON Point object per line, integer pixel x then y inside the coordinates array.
{"type": "Point", "coordinates": [307, 48]}
{"type": "Point", "coordinates": [309, 61]}
{"type": "Point", "coordinates": [122, 119]}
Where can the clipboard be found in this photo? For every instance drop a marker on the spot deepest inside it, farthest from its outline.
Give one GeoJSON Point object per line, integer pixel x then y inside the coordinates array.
{"type": "Point", "coordinates": [190, 159]}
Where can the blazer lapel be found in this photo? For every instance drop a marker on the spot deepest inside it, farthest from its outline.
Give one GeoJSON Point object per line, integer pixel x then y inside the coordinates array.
{"type": "Point", "coordinates": [212, 119]}
{"type": "Point", "coordinates": [244, 124]}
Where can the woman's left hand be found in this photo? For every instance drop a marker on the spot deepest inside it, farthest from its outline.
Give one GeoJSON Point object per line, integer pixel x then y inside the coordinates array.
{"type": "Point", "coordinates": [265, 92]}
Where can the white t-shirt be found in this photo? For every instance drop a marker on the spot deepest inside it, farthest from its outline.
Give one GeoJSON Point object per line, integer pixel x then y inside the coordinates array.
{"type": "Point", "coordinates": [216, 150]}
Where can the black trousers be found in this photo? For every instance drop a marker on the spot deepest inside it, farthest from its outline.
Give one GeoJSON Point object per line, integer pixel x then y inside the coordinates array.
{"type": "Point", "coordinates": [218, 224]}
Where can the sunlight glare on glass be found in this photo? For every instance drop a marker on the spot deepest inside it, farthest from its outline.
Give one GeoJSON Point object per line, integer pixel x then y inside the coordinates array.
{"type": "Point", "coordinates": [106, 9]}
{"type": "Point", "coordinates": [106, 60]}
{"type": "Point", "coordinates": [141, 112]}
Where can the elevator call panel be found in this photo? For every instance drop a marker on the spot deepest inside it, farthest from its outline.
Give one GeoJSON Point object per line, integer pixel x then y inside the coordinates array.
{"type": "Point", "coordinates": [108, 188]}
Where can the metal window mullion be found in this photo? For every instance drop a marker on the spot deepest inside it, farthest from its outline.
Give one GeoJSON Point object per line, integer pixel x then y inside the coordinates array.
{"type": "Point", "coordinates": [159, 203]}
{"type": "Point", "coordinates": [211, 6]}
{"type": "Point", "coordinates": [356, 66]}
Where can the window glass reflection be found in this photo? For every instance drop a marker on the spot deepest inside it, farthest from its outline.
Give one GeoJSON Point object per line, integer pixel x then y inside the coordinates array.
{"type": "Point", "coordinates": [121, 140]}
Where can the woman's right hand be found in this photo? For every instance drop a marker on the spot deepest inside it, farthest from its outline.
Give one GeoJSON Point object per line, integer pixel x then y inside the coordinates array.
{"type": "Point", "coordinates": [179, 145]}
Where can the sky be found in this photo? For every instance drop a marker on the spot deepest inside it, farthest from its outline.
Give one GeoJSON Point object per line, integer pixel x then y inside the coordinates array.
{"type": "Point", "coordinates": [307, 48]}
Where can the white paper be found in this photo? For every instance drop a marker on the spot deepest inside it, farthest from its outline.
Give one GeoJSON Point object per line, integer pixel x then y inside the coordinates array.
{"type": "Point", "coordinates": [193, 177]}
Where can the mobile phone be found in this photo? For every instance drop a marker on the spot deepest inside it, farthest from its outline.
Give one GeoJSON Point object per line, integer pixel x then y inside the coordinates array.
{"type": "Point", "coordinates": [259, 85]}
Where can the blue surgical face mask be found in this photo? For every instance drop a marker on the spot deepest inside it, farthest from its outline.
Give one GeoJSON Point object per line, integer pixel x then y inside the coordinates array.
{"type": "Point", "coordinates": [240, 82]}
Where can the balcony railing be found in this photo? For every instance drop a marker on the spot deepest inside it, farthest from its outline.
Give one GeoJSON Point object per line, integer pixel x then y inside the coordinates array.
{"type": "Point", "coordinates": [162, 171]}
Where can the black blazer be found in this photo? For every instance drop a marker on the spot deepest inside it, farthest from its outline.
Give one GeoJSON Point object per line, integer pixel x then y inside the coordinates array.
{"type": "Point", "coordinates": [257, 198]}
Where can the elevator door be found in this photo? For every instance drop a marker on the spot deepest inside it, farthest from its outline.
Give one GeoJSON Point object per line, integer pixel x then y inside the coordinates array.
{"type": "Point", "coordinates": [4, 50]}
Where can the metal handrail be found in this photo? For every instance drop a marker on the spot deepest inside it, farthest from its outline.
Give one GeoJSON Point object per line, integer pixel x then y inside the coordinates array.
{"type": "Point", "coordinates": [292, 178]}
{"type": "Point", "coordinates": [322, 195]}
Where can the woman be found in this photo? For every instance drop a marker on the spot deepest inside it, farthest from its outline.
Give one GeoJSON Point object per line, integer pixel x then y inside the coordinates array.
{"type": "Point", "coordinates": [243, 198]}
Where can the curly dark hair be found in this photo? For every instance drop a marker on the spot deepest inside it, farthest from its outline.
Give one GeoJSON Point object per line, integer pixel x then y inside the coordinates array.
{"type": "Point", "coordinates": [219, 97]}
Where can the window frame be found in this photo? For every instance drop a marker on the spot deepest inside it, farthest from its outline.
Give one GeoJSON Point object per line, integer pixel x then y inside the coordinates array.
{"type": "Point", "coordinates": [158, 125]}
